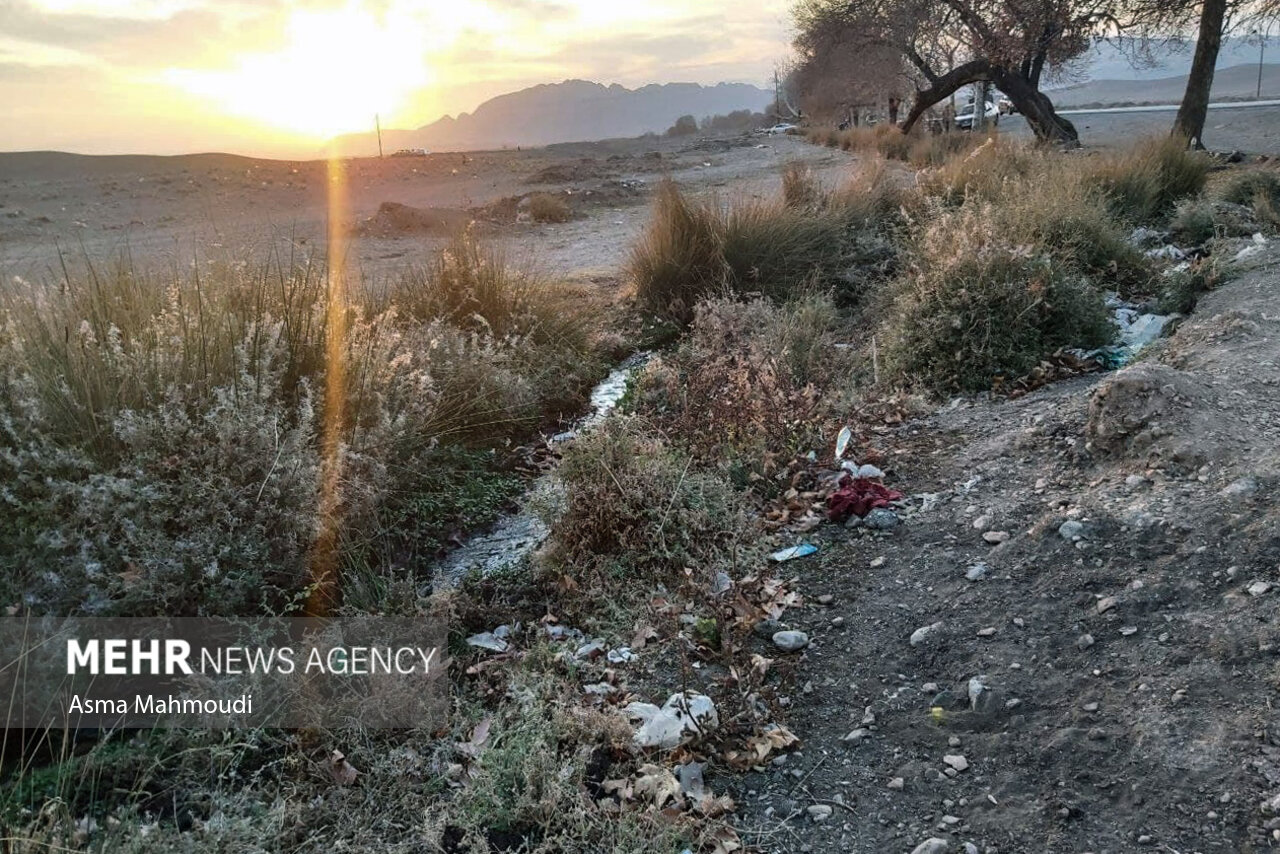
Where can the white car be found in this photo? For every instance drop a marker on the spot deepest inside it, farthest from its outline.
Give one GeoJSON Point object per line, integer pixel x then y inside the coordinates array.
{"type": "Point", "coordinates": [964, 121]}
{"type": "Point", "coordinates": [781, 128]}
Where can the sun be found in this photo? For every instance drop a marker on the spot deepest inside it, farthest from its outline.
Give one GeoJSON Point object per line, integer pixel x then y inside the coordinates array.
{"type": "Point", "coordinates": [336, 70]}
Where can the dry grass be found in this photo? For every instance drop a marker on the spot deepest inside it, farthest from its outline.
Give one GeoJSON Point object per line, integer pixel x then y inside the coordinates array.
{"type": "Point", "coordinates": [809, 236]}
{"type": "Point", "coordinates": [161, 439]}
{"type": "Point", "coordinates": [549, 207]}
{"type": "Point", "coordinates": [1144, 184]}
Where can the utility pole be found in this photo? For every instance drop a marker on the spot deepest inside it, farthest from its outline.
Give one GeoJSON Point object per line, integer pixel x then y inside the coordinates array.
{"type": "Point", "coordinates": [377, 123]}
{"type": "Point", "coordinates": [1262, 49]}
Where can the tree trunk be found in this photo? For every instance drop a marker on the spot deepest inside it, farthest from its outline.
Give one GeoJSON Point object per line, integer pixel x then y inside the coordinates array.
{"type": "Point", "coordinates": [1195, 103]}
{"type": "Point", "coordinates": [1037, 109]}
{"type": "Point", "coordinates": [1032, 103]}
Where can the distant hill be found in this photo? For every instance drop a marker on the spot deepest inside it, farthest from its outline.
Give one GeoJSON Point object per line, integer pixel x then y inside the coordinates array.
{"type": "Point", "coordinates": [572, 111]}
{"type": "Point", "coordinates": [1114, 60]}
{"type": "Point", "coordinates": [1234, 83]}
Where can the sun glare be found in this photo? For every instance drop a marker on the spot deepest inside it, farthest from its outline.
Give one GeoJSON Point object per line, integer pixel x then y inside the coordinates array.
{"type": "Point", "coordinates": [336, 70]}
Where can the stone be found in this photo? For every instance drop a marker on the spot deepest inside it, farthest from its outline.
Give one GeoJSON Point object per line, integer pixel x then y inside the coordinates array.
{"type": "Point", "coordinates": [982, 523]}
{"type": "Point", "coordinates": [1071, 529]}
{"type": "Point", "coordinates": [922, 634]}
{"type": "Point", "coordinates": [897, 784]}
{"type": "Point", "coordinates": [970, 848]}
{"type": "Point", "coordinates": [881, 519]}
{"type": "Point", "coordinates": [819, 813]}
{"type": "Point", "coordinates": [987, 632]}
{"type": "Point", "coordinates": [790, 640]}
{"type": "Point", "coordinates": [1090, 707]}
{"type": "Point", "coordinates": [766, 628]}
{"type": "Point", "coordinates": [1106, 603]}
{"type": "Point", "coordinates": [1084, 642]}
{"type": "Point", "coordinates": [826, 599]}
{"type": "Point", "coordinates": [868, 470]}
{"type": "Point", "coordinates": [932, 845]}
{"type": "Point", "coordinates": [977, 572]}
{"type": "Point", "coordinates": [877, 562]}
{"type": "Point", "coordinates": [1258, 588]}
{"type": "Point", "coordinates": [956, 761]}
{"type": "Point", "coordinates": [995, 538]}
{"type": "Point", "coordinates": [857, 736]}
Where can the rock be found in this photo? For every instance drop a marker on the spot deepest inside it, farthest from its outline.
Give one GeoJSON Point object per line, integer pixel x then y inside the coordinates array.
{"type": "Point", "coordinates": [932, 845]}
{"type": "Point", "coordinates": [987, 632]}
{"type": "Point", "coordinates": [897, 784]}
{"type": "Point", "coordinates": [1133, 481]}
{"type": "Point", "coordinates": [982, 523]}
{"type": "Point", "coordinates": [922, 634]}
{"type": "Point", "coordinates": [1090, 707]}
{"type": "Point", "coordinates": [929, 687]}
{"type": "Point", "coordinates": [857, 736]}
{"type": "Point", "coordinates": [877, 562]}
{"type": "Point", "coordinates": [819, 813]}
{"type": "Point", "coordinates": [680, 719]}
{"type": "Point", "coordinates": [995, 538]}
{"type": "Point", "coordinates": [766, 628]}
{"type": "Point", "coordinates": [837, 622]}
{"type": "Point", "coordinates": [868, 716]}
{"type": "Point", "coordinates": [970, 848]}
{"type": "Point", "coordinates": [977, 687]}
{"type": "Point", "coordinates": [826, 599]}
{"type": "Point", "coordinates": [1071, 529]}
{"type": "Point", "coordinates": [977, 572]}
{"type": "Point", "coordinates": [956, 761]}
{"type": "Point", "coordinates": [1258, 588]}
{"type": "Point", "coordinates": [1245, 487]}
{"type": "Point", "coordinates": [868, 470]}
{"type": "Point", "coordinates": [1106, 603]}
{"type": "Point", "coordinates": [790, 640]}
{"type": "Point", "coordinates": [1084, 642]}
{"type": "Point", "coordinates": [881, 519]}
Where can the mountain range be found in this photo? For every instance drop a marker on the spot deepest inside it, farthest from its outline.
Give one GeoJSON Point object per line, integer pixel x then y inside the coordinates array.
{"type": "Point", "coordinates": [572, 111]}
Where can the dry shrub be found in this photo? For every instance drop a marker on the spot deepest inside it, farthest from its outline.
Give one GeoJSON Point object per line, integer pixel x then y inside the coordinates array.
{"type": "Point", "coordinates": [694, 249]}
{"type": "Point", "coordinates": [159, 445]}
{"type": "Point", "coordinates": [1258, 189]}
{"type": "Point", "coordinates": [636, 513]}
{"type": "Point", "coordinates": [800, 187]}
{"type": "Point", "coordinates": [1193, 222]}
{"type": "Point", "coordinates": [549, 207]}
{"type": "Point", "coordinates": [752, 380]}
{"type": "Point", "coordinates": [981, 172]}
{"type": "Point", "coordinates": [1145, 183]}
{"type": "Point", "coordinates": [973, 307]}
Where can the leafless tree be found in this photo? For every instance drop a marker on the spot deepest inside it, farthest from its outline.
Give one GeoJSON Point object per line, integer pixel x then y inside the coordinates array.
{"type": "Point", "coordinates": [949, 44]}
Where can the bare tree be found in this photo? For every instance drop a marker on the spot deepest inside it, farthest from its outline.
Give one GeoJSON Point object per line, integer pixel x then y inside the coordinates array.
{"type": "Point", "coordinates": [1212, 20]}
{"type": "Point", "coordinates": [949, 44]}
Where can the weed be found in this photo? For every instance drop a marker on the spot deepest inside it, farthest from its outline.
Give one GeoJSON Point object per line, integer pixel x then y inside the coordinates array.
{"type": "Point", "coordinates": [548, 207]}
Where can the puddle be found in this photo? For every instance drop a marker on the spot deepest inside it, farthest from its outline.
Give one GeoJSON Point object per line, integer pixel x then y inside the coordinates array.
{"type": "Point", "coordinates": [517, 535]}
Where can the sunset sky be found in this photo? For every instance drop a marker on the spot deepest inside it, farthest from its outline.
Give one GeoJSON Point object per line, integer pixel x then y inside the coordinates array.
{"type": "Point", "coordinates": [277, 77]}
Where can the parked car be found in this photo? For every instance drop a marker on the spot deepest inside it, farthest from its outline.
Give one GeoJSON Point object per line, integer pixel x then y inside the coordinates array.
{"type": "Point", "coordinates": [782, 127]}
{"type": "Point", "coordinates": [964, 121]}
{"type": "Point", "coordinates": [410, 152]}
{"type": "Point", "coordinates": [1006, 106]}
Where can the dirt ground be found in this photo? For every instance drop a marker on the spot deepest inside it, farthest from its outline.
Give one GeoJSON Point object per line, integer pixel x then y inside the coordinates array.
{"type": "Point", "coordinates": [168, 211]}
{"type": "Point", "coordinates": [164, 211]}
{"type": "Point", "coordinates": [1126, 664]}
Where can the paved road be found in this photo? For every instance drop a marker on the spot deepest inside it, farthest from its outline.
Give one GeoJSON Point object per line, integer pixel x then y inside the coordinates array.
{"type": "Point", "coordinates": [1253, 127]}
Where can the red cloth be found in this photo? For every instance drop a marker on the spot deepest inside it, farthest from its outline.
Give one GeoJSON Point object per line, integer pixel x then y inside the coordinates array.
{"type": "Point", "coordinates": [858, 496]}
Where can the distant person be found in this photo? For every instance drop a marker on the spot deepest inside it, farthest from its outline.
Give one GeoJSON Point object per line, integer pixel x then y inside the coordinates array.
{"type": "Point", "coordinates": [893, 110]}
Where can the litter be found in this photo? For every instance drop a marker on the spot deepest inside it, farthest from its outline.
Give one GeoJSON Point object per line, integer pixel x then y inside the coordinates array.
{"type": "Point", "coordinates": [858, 496]}
{"type": "Point", "coordinates": [489, 641]}
{"type": "Point", "coordinates": [793, 552]}
{"type": "Point", "coordinates": [1168, 252]}
{"type": "Point", "coordinates": [681, 718]}
{"type": "Point", "coordinates": [842, 441]}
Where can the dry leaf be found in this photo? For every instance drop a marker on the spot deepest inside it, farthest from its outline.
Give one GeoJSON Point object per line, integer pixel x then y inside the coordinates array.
{"type": "Point", "coordinates": [658, 783]}
{"type": "Point", "coordinates": [479, 736]}
{"type": "Point", "coordinates": [714, 807]}
{"type": "Point", "coordinates": [342, 771]}
{"type": "Point", "coordinates": [724, 840]}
